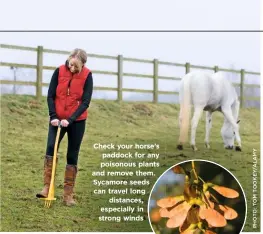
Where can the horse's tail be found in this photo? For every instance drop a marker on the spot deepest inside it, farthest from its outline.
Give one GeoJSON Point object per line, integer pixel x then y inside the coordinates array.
{"type": "Point", "coordinates": [235, 110]}
{"type": "Point", "coordinates": [185, 109]}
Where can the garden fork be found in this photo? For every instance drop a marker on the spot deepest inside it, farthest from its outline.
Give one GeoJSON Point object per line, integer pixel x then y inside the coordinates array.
{"type": "Point", "coordinates": [51, 191]}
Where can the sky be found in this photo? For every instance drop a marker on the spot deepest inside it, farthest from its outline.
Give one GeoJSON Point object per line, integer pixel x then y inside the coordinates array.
{"type": "Point", "coordinates": [136, 14]}
{"type": "Point", "coordinates": [223, 49]}
{"type": "Point", "coordinates": [238, 50]}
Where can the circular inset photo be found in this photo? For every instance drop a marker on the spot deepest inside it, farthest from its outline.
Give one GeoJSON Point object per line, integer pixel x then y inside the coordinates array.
{"type": "Point", "coordinates": [195, 197]}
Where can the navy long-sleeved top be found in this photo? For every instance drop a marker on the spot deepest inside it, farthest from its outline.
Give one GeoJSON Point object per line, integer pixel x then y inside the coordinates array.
{"type": "Point", "coordinates": [86, 97]}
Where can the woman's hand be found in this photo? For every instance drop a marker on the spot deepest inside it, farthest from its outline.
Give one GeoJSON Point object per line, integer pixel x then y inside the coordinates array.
{"type": "Point", "coordinates": [54, 122]}
{"type": "Point", "coordinates": [64, 123]}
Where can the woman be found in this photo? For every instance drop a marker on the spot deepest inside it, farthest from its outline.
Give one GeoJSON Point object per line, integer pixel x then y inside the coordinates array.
{"type": "Point", "coordinates": [68, 99]}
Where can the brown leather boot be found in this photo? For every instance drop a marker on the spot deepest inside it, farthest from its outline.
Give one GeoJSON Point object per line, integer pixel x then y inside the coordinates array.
{"type": "Point", "coordinates": [48, 162]}
{"type": "Point", "coordinates": [69, 183]}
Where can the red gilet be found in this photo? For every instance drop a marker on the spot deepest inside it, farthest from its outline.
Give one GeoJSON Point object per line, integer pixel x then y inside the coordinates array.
{"type": "Point", "coordinates": [69, 92]}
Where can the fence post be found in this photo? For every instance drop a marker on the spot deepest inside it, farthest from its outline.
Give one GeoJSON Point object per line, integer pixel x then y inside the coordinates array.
{"type": "Point", "coordinates": [216, 68]}
{"type": "Point", "coordinates": [242, 78]}
{"type": "Point", "coordinates": [155, 80]}
{"type": "Point", "coordinates": [14, 69]}
{"type": "Point", "coordinates": [39, 72]}
{"type": "Point", "coordinates": [120, 76]}
{"type": "Point", "coordinates": [187, 68]}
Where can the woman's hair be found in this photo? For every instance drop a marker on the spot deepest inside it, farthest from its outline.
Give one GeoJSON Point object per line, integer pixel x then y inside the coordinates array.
{"type": "Point", "coordinates": [79, 55]}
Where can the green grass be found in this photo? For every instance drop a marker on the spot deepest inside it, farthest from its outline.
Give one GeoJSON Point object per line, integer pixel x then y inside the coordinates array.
{"type": "Point", "coordinates": [24, 125]}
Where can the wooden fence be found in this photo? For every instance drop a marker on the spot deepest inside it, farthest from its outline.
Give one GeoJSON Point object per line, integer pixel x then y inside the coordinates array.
{"type": "Point", "coordinates": [120, 73]}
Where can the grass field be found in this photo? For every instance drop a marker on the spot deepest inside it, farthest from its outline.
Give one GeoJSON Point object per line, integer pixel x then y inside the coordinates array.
{"type": "Point", "coordinates": [24, 124]}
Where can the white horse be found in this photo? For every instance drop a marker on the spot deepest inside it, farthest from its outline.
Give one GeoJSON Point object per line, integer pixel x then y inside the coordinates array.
{"type": "Point", "coordinates": [209, 92]}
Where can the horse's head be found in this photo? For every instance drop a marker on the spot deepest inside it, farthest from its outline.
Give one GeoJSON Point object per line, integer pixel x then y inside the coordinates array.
{"type": "Point", "coordinates": [228, 135]}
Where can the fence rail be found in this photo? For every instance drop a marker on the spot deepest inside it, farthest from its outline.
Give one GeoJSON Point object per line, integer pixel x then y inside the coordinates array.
{"type": "Point", "coordinates": [120, 73]}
